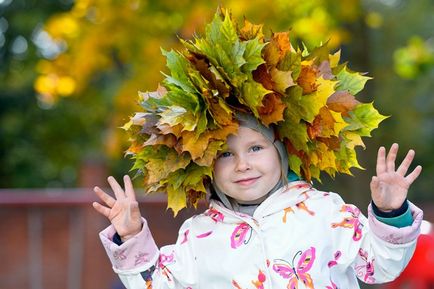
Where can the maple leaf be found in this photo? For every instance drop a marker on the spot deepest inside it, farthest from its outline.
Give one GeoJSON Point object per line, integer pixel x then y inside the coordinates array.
{"type": "Point", "coordinates": [313, 102]}
{"type": "Point", "coordinates": [262, 75]}
{"type": "Point", "coordinates": [250, 31]}
{"type": "Point", "coordinates": [272, 109]}
{"type": "Point", "coordinates": [215, 81]}
{"type": "Point", "coordinates": [345, 159]}
{"type": "Point", "coordinates": [291, 61]}
{"type": "Point", "coordinates": [352, 139]}
{"type": "Point", "coordinates": [353, 82]}
{"type": "Point", "coordinates": [295, 132]}
{"type": "Point", "coordinates": [162, 161]}
{"type": "Point", "coordinates": [325, 70]}
{"type": "Point", "coordinates": [210, 153]}
{"type": "Point", "coordinates": [252, 93]}
{"type": "Point", "coordinates": [342, 101]}
{"type": "Point", "coordinates": [168, 140]}
{"type": "Point", "coordinates": [363, 119]}
{"type": "Point", "coordinates": [334, 58]}
{"type": "Point", "coordinates": [318, 54]}
{"type": "Point", "coordinates": [323, 158]}
{"type": "Point", "coordinates": [281, 80]}
{"type": "Point", "coordinates": [178, 67]}
{"type": "Point", "coordinates": [281, 39]}
{"type": "Point", "coordinates": [252, 55]}
{"type": "Point", "coordinates": [307, 79]}
{"type": "Point", "coordinates": [176, 115]}
{"type": "Point", "coordinates": [176, 199]}
{"type": "Point", "coordinates": [323, 125]}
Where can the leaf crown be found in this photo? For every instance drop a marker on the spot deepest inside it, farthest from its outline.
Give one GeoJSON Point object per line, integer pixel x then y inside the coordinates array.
{"type": "Point", "coordinates": [307, 96]}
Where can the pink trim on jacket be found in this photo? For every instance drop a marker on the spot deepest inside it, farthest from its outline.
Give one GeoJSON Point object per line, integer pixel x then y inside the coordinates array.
{"type": "Point", "coordinates": [138, 252]}
{"type": "Point", "coordinates": [396, 235]}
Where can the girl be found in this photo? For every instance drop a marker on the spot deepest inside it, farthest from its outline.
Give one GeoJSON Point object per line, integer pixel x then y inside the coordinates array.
{"type": "Point", "coordinates": [263, 231]}
{"type": "Point", "coordinates": [233, 116]}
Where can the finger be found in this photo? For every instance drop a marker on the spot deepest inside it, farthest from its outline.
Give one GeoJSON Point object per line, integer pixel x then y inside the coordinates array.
{"type": "Point", "coordinates": [374, 184]}
{"type": "Point", "coordinates": [129, 190]}
{"type": "Point", "coordinates": [403, 167]}
{"type": "Point", "coordinates": [107, 199]}
{"type": "Point", "coordinates": [413, 175]}
{"type": "Point", "coordinates": [381, 161]}
{"type": "Point", "coordinates": [117, 189]}
{"type": "Point", "coordinates": [101, 209]}
{"type": "Point", "coordinates": [391, 157]}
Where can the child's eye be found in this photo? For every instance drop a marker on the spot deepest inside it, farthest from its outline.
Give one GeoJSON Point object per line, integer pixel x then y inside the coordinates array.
{"type": "Point", "coordinates": [255, 148]}
{"type": "Point", "coordinates": [225, 154]}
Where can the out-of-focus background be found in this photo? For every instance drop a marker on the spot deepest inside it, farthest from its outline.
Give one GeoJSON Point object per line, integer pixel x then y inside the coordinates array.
{"type": "Point", "coordinates": [69, 76]}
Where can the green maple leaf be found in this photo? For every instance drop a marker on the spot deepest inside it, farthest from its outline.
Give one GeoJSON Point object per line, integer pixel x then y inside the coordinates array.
{"type": "Point", "coordinates": [363, 119]}
{"type": "Point", "coordinates": [252, 55]}
{"type": "Point", "coordinates": [253, 93]}
{"type": "Point", "coordinates": [179, 67]}
{"type": "Point", "coordinates": [353, 82]}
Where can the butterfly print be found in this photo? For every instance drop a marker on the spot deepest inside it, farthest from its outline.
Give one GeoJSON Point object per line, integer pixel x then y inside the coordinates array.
{"type": "Point", "coordinates": [120, 254]}
{"type": "Point", "coordinates": [351, 222]}
{"type": "Point", "coordinates": [141, 258]}
{"type": "Point", "coordinates": [215, 215]}
{"type": "Point", "coordinates": [258, 283]}
{"type": "Point", "coordinates": [297, 273]}
{"type": "Point", "coordinates": [239, 235]}
{"type": "Point", "coordinates": [366, 270]}
{"type": "Point", "coordinates": [163, 262]}
{"type": "Point", "coordinates": [335, 261]}
{"type": "Point", "coordinates": [301, 206]}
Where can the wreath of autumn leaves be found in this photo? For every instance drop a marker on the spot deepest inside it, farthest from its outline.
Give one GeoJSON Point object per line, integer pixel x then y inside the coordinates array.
{"type": "Point", "coordinates": [307, 96]}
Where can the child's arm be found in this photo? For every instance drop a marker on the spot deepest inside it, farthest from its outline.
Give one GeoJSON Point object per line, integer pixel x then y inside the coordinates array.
{"type": "Point", "coordinates": [389, 187]}
{"type": "Point", "coordinates": [135, 257]}
{"type": "Point", "coordinates": [393, 221]}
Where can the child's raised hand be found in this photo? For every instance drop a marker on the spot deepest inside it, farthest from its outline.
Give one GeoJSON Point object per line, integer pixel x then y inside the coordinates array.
{"type": "Point", "coordinates": [389, 187]}
{"type": "Point", "coordinates": [123, 212]}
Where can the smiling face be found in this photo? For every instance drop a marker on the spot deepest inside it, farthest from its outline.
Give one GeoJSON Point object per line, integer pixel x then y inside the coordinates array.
{"type": "Point", "coordinates": [249, 168]}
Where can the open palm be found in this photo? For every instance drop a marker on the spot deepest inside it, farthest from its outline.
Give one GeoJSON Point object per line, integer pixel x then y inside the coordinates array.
{"type": "Point", "coordinates": [390, 186]}
{"type": "Point", "coordinates": [123, 212]}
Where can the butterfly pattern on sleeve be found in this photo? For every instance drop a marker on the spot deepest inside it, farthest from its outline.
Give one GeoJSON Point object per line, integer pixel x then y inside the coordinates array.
{"type": "Point", "coordinates": [298, 273]}
{"type": "Point", "coordinates": [352, 221]}
{"type": "Point", "coordinates": [365, 271]}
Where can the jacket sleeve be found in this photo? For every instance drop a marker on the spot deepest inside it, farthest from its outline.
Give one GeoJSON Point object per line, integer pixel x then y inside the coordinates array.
{"type": "Point", "coordinates": [140, 264]}
{"type": "Point", "coordinates": [375, 251]}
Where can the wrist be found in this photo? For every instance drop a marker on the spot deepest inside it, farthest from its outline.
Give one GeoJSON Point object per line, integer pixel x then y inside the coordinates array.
{"type": "Point", "coordinates": [390, 213]}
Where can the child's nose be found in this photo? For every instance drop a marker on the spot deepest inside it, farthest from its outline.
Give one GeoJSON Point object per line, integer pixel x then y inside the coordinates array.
{"type": "Point", "coordinates": [242, 163]}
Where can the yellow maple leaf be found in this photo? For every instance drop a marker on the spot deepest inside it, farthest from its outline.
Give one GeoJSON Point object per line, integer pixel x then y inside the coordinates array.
{"type": "Point", "coordinates": [250, 31]}
{"type": "Point", "coordinates": [176, 199]}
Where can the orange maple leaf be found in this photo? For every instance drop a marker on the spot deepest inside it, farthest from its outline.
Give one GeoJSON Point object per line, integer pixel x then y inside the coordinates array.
{"type": "Point", "coordinates": [342, 101]}
{"type": "Point", "coordinates": [272, 109]}
{"type": "Point", "coordinates": [307, 79]}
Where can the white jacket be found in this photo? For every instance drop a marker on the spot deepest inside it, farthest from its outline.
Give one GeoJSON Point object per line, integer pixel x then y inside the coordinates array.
{"type": "Point", "coordinates": [297, 238]}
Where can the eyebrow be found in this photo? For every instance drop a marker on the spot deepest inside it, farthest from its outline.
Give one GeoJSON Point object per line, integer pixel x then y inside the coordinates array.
{"type": "Point", "coordinates": [255, 142]}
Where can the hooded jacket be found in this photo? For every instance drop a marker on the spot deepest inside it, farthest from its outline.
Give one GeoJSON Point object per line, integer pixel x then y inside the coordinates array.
{"type": "Point", "coordinates": [299, 237]}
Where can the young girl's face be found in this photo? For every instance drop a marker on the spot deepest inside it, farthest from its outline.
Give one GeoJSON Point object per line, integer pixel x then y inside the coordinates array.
{"type": "Point", "coordinates": [249, 168]}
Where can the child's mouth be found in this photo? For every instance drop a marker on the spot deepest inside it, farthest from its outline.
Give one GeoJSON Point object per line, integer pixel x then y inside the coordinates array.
{"type": "Point", "coordinates": [247, 181]}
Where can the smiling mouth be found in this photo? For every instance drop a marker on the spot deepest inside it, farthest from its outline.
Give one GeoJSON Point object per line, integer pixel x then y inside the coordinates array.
{"type": "Point", "coordinates": [248, 181]}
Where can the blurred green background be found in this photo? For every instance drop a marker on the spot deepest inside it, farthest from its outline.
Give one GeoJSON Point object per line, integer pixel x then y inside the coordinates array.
{"type": "Point", "coordinates": [70, 72]}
